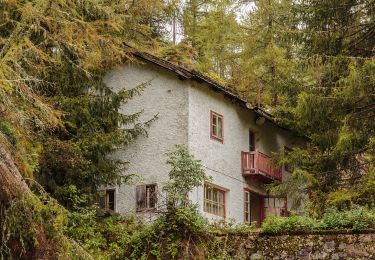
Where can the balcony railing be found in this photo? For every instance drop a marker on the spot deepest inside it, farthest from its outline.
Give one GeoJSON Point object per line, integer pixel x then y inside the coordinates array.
{"type": "Point", "coordinates": [257, 164]}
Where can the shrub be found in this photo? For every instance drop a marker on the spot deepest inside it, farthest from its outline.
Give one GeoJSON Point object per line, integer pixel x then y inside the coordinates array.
{"type": "Point", "coordinates": [333, 219]}
{"type": "Point", "coordinates": [274, 225]}
{"type": "Point", "coordinates": [225, 226]}
{"type": "Point", "coordinates": [357, 218]}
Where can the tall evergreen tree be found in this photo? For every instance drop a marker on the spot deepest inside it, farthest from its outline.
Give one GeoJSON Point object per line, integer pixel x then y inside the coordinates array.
{"type": "Point", "coordinates": [212, 29]}
{"type": "Point", "coordinates": [335, 106]}
{"type": "Point", "coordinates": [267, 71]}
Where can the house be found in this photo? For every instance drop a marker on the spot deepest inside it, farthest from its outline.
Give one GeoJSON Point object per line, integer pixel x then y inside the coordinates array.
{"type": "Point", "coordinates": [233, 141]}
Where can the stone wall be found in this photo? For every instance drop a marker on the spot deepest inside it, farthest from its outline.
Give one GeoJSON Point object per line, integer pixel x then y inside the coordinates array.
{"type": "Point", "coordinates": [322, 245]}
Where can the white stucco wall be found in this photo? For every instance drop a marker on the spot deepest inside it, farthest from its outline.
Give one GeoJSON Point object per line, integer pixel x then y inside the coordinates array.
{"type": "Point", "coordinates": [222, 161]}
{"type": "Point", "coordinates": [166, 97]}
{"type": "Point", "coordinates": [183, 109]}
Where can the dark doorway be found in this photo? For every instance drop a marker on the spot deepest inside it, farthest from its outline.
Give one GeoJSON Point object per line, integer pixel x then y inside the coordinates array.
{"type": "Point", "coordinates": [256, 208]}
{"type": "Point", "coordinates": [251, 141]}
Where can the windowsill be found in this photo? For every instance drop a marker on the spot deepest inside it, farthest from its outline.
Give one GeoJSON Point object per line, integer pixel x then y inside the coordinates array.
{"type": "Point", "coordinates": [213, 216]}
{"type": "Point", "coordinates": [217, 139]}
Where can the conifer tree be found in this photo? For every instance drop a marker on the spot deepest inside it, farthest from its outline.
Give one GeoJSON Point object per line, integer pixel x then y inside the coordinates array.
{"type": "Point", "coordinates": [58, 121]}
{"type": "Point", "coordinates": [335, 105]}
{"type": "Point", "coordinates": [213, 32]}
{"type": "Point", "coordinates": [267, 72]}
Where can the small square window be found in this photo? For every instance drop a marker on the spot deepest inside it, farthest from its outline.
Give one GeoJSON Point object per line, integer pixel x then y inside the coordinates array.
{"type": "Point", "coordinates": [146, 197]}
{"type": "Point", "coordinates": [216, 126]}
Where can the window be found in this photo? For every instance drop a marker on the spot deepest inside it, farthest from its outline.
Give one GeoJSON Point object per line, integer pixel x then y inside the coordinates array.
{"type": "Point", "coordinates": [217, 130]}
{"type": "Point", "coordinates": [109, 200]}
{"type": "Point", "coordinates": [247, 207]}
{"type": "Point", "coordinates": [214, 200]}
{"type": "Point", "coordinates": [146, 197]}
{"type": "Point", "coordinates": [275, 207]}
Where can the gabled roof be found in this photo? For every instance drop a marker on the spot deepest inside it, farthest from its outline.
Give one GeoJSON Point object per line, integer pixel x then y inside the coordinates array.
{"type": "Point", "coordinates": [189, 74]}
{"type": "Point", "coordinates": [185, 73]}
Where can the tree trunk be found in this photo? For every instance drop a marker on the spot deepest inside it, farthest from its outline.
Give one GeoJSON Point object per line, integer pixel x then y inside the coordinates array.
{"type": "Point", "coordinates": [12, 184]}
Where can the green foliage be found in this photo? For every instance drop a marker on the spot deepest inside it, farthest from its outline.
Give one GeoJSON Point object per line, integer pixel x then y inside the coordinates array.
{"type": "Point", "coordinates": [33, 222]}
{"type": "Point", "coordinates": [182, 54]}
{"type": "Point", "coordinates": [227, 226]}
{"type": "Point", "coordinates": [334, 103]}
{"type": "Point", "coordinates": [175, 233]}
{"type": "Point", "coordinates": [36, 214]}
{"type": "Point", "coordinates": [341, 197]}
{"type": "Point", "coordinates": [7, 131]}
{"type": "Point", "coordinates": [186, 173]}
{"type": "Point", "coordinates": [212, 31]}
{"type": "Point", "coordinates": [274, 225]}
{"type": "Point", "coordinates": [54, 55]}
{"type": "Point", "coordinates": [78, 155]}
{"type": "Point", "coordinates": [357, 218]}
{"type": "Point", "coordinates": [105, 238]}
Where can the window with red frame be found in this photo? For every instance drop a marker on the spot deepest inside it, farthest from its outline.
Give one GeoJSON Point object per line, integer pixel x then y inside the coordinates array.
{"type": "Point", "coordinates": [274, 206]}
{"type": "Point", "coordinates": [217, 126]}
{"type": "Point", "coordinates": [247, 208]}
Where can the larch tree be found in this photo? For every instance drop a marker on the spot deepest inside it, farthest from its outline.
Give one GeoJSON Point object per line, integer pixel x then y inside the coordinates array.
{"type": "Point", "coordinates": [58, 120]}
{"type": "Point", "coordinates": [267, 71]}
{"type": "Point", "coordinates": [218, 40]}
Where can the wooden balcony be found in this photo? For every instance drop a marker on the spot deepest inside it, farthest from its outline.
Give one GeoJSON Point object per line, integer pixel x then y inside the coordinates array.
{"type": "Point", "coordinates": [257, 165]}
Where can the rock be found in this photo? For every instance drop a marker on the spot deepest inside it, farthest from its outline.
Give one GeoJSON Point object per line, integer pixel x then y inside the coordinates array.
{"type": "Point", "coordinates": [329, 246]}
{"type": "Point", "coordinates": [256, 256]}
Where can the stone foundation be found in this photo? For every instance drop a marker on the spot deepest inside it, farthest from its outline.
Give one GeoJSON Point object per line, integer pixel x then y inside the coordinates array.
{"type": "Point", "coordinates": [321, 245]}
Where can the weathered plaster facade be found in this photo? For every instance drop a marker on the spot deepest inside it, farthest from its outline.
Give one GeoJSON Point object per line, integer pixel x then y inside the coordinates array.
{"type": "Point", "coordinates": [222, 161]}
{"type": "Point", "coordinates": [183, 110]}
{"type": "Point", "coordinates": [162, 98]}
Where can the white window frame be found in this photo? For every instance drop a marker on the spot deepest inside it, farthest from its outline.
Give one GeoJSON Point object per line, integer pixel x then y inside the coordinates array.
{"type": "Point", "coordinates": [211, 200]}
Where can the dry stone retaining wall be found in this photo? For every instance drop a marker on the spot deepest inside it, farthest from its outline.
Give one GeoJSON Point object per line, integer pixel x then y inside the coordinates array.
{"type": "Point", "coordinates": [323, 245]}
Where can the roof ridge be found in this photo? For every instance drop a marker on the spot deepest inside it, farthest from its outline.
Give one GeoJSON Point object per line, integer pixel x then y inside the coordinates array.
{"type": "Point", "coordinates": [198, 76]}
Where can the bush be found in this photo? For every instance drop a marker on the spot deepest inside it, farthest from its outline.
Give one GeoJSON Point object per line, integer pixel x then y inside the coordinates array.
{"type": "Point", "coordinates": [105, 238]}
{"type": "Point", "coordinates": [357, 218]}
{"type": "Point", "coordinates": [274, 225]}
{"type": "Point", "coordinates": [174, 234]}
{"type": "Point", "coordinates": [334, 219]}
{"type": "Point", "coordinates": [225, 226]}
